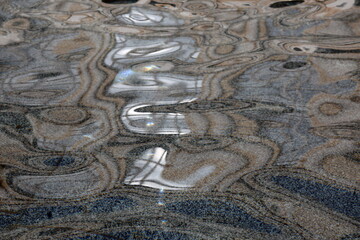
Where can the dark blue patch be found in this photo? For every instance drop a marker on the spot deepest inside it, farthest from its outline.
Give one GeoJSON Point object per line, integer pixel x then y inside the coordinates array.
{"type": "Point", "coordinates": [340, 200]}
{"type": "Point", "coordinates": [6, 220]}
{"type": "Point", "coordinates": [35, 215]}
{"type": "Point", "coordinates": [133, 235]}
{"type": "Point", "coordinates": [93, 237]}
{"type": "Point", "coordinates": [355, 236]}
{"type": "Point", "coordinates": [221, 212]}
{"type": "Point", "coordinates": [111, 204]}
{"type": "Point", "coordinates": [59, 161]}
{"type": "Point", "coordinates": [17, 121]}
{"type": "Point", "coordinates": [150, 235]}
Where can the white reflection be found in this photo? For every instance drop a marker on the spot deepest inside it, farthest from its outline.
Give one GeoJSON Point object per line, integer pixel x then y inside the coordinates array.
{"type": "Point", "coordinates": [148, 170]}
{"type": "Point", "coordinates": [150, 89]}
{"type": "Point", "coordinates": [130, 49]}
{"type": "Point", "coordinates": [147, 82]}
{"type": "Point", "coordinates": [147, 17]}
{"type": "Point", "coordinates": [154, 123]}
{"type": "Point", "coordinates": [156, 66]}
{"type": "Point", "coordinates": [157, 83]}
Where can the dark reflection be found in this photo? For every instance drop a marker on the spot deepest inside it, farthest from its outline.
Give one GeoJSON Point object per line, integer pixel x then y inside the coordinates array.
{"type": "Point", "coordinates": [285, 4]}
{"type": "Point", "coordinates": [17, 121]}
{"type": "Point", "coordinates": [355, 156]}
{"type": "Point", "coordinates": [47, 75]}
{"type": "Point", "coordinates": [294, 65]}
{"type": "Point", "coordinates": [336, 51]}
{"type": "Point", "coordinates": [119, 1]}
{"type": "Point", "coordinates": [155, 3]}
{"type": "Point", "coordinates": [199, 106]}
{"type": "Point", "coordinates": [59, 161]}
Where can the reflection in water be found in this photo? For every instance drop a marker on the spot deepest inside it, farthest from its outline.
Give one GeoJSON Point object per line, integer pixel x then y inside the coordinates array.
{"type": "Point", "coordinates": [148, 169]}
{"type": "Point", "coordinates": [292, 83]}
{"type": "Point", "coordinates": [153, 123]}
{"type": "Point", "coordinates": [191, 119]}
{"type": "Point", "coordinates": [130, 49]}
{"type": "Point", "coordinates": [147, 17]}
{"type": "Point", "coordinates": [150, 84]}
{"type": "Point", "coordinates": [146, 83]}
{"type": "Point", "coordinates": [149, 89]}
{"type": "Point", "coordinates": [156, 85]}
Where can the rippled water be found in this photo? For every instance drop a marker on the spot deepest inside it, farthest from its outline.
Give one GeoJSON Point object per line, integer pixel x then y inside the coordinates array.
{"type": "Point", "coordinates": [179, 119]}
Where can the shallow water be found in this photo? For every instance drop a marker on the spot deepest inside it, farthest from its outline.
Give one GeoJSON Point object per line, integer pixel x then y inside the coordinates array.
{"type": "Point", "coordinates": [201, 119]}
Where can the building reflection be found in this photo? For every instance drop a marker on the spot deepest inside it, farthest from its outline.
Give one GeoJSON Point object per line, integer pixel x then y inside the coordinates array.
{"type": "Point", "coordinates": [149, 83]}
{"type": "Point", "coordinates": [149, 167]}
